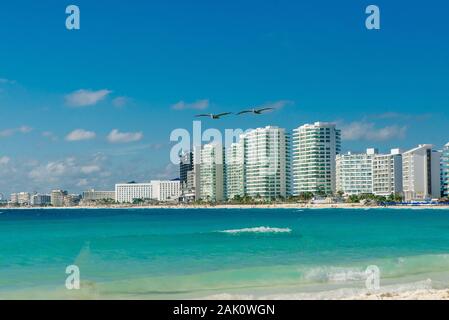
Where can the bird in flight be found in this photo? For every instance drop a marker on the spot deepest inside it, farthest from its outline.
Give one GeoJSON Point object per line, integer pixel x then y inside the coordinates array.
{"type": "Point", "coordinates": [213, 116]}
{"type": "Point", "coordinates": [255, 111]}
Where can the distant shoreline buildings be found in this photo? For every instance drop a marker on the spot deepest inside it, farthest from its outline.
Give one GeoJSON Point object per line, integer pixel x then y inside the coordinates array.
{"type": "Point", "coordinates": [268, 163]}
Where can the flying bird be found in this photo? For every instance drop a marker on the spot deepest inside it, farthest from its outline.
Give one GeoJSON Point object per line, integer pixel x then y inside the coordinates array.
{"type": "Point", "coordinates": [255, 111]}
{"type": "Point", "coordinates": [213, 116]}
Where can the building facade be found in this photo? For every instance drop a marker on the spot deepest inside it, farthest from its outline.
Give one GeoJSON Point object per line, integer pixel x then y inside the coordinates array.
{"type": "Point", "coordinates": [57, 198]}
{"type": "Point", "coordinates": [96, 195]}
{"type": "Point", "coordinates": [354, 173]}
{"type": "Point", "coordinates": [445, 170]}
{"type": "Point", "coordinates": [185, 166]}
{"type": "Point", "coordinates": [370, 173]}
{"type": "Point", "coordinates": [315, 148]}
{"type": "Point", "coordinates": [167, 190]}
{"type": "Point", "coordinates": [210, 174]}
{"type": "Point", "coordinates": [128, 192]}
{"type": "Point", "coordinates": [387, 173]}
{"type": "Point", "coordinates": [40, 199]}
{"type": "Point", "coordinates": [266, 163]}
{"type": "Point", "coordinates": [421, 173]}
{"type": "Point", "coordinates": [235, 171]}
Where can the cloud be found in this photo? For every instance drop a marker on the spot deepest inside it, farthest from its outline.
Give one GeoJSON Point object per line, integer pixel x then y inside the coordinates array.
{"type": "Point", "coordinates": [362, 130]}
{"type": "Point", "coordinates": [4, 160]}
{"type": "Point", "coordinates": [402, 116]}
{"type": "Point", "coordinates": [197, 105]}
{"type": "Point", "coordinates": [120, 102]}
{"type": "Point", "coordinates": [84, 98]}
{"type": "Point", "coordinates": [277, 104]}
{"type": "Point", "coordinates": [49, 135]}
{"type": "Point", "coordinates": [124, 137]}
{"type": "Point", "coordinates": [80, 134]}
{"type": "Point", "coordinates": [90, 169]}
{"type": "Point", "coordinates": [13, 131]}
{"type": "Point", "coordinates": [7, 81]}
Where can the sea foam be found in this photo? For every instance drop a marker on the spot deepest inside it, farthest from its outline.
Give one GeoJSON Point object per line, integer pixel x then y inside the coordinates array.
{"type": "Point", "coordinates": [258, 230]}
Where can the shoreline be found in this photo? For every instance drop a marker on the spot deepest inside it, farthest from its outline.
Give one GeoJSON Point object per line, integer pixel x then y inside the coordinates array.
{"type": "Point", "coordinates": [240, 206]}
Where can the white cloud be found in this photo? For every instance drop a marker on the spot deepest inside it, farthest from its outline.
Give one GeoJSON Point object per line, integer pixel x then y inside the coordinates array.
{"type": "Point", "coordinates": [277, 104]}
{"type": "Point", "coordinates": [84, 98]}
{"type": "Point", "coordinates": [4, 160]}
{"type": "Point", "coordinates": [90, 169]}
{"type": "Point", "coordinates": [120, 102]}
{"type": "Point", "coordinates": [49, 135]}
{"type": "Point", "coordinates": [197, 105]}
{"type": "Point", "coordinates": [361, 130]}
{"type": "Point", "coordinates": [116, 136]}
{"type": "Point", "coordinates": [12, 131]}
{"type": "Point", "coordinates": [80, 134]}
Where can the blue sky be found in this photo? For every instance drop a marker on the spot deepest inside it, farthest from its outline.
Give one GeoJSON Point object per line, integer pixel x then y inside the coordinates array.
{"type": "Point", "coordinates": [116, 81]}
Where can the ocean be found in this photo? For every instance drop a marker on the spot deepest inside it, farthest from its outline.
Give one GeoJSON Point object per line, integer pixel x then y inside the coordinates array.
{"type": "Point", "coordinates": [219, 253]}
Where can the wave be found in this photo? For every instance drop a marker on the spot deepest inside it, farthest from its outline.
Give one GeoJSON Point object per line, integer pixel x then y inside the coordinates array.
{"type": "Point", "coordinates": [258, 230]}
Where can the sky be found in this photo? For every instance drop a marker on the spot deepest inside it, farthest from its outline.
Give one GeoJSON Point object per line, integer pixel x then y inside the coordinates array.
{"type": "Point", "coordinates": [93, 107]}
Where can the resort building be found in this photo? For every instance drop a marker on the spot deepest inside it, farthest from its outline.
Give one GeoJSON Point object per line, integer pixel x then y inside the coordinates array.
{"type": "Point", "coordinates": [40, 199]}
{"type": "Point", "coordinates": [421, 173]}
{"type": "Point", "coordinates": [166, 190]}
{"type": "Point", "coordinates": [315, 147]}
{"type": "Point", "coordinates": [96, 195]}
{"type": "Point", "coordinates": [266, 163]}
{"type": "Point", "coordinates": [355, 172]}
{"type": "Point", "coordinates": [14, 198]}
{"type": "Point", "coordinates": [235, 173]}
{"type": "Point", "coordinates": [209, 170]}
{"type": "Point", "coordinates": [387, 173]}
{"type": "Point", "coordinates": [57, 198]}
{"type": "Point", "coordinates": [445, 170]}
{"type": "Point", "coordinates": [128, 192]}
{"type": "Point", "coordinates": [370, 172]}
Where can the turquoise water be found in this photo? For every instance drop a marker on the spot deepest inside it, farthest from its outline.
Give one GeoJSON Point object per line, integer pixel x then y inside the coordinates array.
{"type": "Point", "coordinates": [195, 253]}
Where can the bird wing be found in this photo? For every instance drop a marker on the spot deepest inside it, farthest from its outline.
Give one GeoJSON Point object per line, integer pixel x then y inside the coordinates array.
{"type": "Point", "coordinates": [244, 111]}
{"type": "Point", "coordinates": [223, 114]}
{"type": "Point", "coordinates": [265, 109]}
{"type": "Point", "coordinates": [202, 115]}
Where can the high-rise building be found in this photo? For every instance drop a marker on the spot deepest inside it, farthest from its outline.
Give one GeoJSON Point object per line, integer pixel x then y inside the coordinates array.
{"type": "Point", "coordinates": [57, 198]}
{"type": "Point", "coordinates": [370, 172]}
{"type": "Point", "coordinates": [266, 163]}
{"type": "Point", "coordinates": [355, 172]}
{"type": "Point", "coordinates": [209, 170]}
{"type": "Point", "coordinates": [14, 198]}
{"type": "Point", "coordinates": [235, 171]}
{"type": "Point", "coordinates": [23, 198]}
{"type": "Point", "coordinates": [421, 173]}
{"type": "Point", "coordinates": [445, 170]}
{"type": "Point", "coordinates": [185, 165]}
{"type": "Point", "coordinates": [315, 147]}
{"type": "Point", "coordinates": [40, 199]}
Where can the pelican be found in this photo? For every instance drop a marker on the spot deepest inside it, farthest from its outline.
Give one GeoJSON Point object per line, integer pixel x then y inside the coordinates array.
{"type": "Point", "coordinates": [213, 116]}
{"type": "Point", "coordinates": [255, 111]}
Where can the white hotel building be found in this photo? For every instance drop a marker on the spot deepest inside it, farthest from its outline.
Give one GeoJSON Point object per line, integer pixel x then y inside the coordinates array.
{"type": "Point", "coordinates": [155, 190]}
{"type": "Point", "coordinates": [370, 172]}
{"type": "Point", "coordinates": [421, 173]}
{"type": "Point", "coordinates": [315, 147]}
{"type": "Point", "coordinates": [266, 163]}
{"type": "Point", "coordinates": [235, 171]}
{"type": "Point", "coordinates": [209, 171]}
